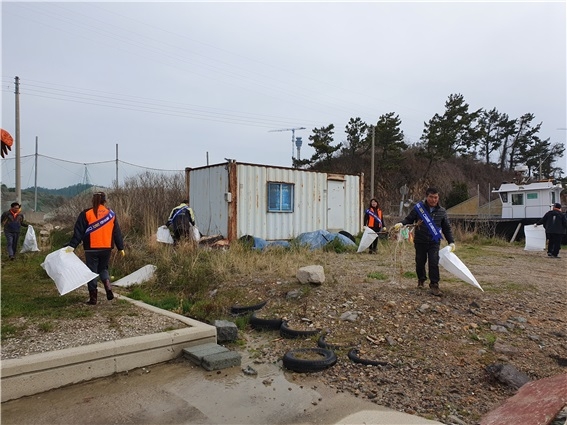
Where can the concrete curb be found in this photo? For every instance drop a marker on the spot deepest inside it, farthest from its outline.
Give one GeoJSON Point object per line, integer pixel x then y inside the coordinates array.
{"type": "Point", "coordinates": [44, 371]}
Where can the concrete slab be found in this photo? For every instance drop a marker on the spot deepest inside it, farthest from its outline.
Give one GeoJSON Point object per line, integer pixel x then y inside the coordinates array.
{"type": "Point", "coordinates": [41, 372]}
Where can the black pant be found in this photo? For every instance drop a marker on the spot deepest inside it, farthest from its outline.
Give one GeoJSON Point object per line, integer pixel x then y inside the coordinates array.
{"type": "Point", "coordinates": [97, 261]}
{"type": "Point", "coordinates": [554, 244]}
{"type": "Point", "coordinates": [427, 252]}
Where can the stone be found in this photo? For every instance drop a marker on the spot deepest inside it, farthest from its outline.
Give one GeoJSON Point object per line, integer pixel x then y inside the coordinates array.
{"type": "Point", "coordinates": [226, 330]}
{"type": "Point", "coordinates": [311, 274]}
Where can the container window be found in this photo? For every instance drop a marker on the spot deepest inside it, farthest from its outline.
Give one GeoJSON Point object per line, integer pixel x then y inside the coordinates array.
{"type": "Point", "coordinates": [280, 197]}
{"type": "Point", "coordinates": [504, 197]}
{"type": "Point", "coordinates": [532, 195]}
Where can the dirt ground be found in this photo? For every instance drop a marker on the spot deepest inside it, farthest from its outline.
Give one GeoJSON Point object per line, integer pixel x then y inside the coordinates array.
{"type": "Point", "coordinates": [437, 349]}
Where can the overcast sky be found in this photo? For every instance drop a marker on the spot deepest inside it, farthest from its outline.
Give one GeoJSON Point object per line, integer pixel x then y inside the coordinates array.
{"type": "Point", "coordinates": [172, 82]}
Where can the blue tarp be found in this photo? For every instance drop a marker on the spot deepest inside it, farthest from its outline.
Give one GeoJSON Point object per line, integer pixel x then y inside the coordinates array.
{"type": "Point", "coordinates": [315, 240]}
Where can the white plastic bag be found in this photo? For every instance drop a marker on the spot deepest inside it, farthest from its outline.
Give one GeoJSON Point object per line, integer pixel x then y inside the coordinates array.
{"type": "Point", "coordinates": [163, 235]}
{"type": "Point", "coordinates": [30, 241]}
{"type": "Point", "coordinates": [67, 270]}
{"type": "Point", "coordinates": [196, 234]}
{"type": "Point", "coordinates": [367, 238]}
{"type": "Point", "coordinates": [535, 238]}
{"type": "Point", "coordinates": [456, 267]}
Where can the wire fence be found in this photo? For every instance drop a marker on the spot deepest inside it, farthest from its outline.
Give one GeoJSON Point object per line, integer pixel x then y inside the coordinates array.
{"type": "Point", "coordinates": [56, 173]}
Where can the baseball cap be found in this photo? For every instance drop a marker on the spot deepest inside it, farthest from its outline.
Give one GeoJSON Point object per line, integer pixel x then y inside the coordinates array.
{"type": "Point", "coordinates": [557, 205]}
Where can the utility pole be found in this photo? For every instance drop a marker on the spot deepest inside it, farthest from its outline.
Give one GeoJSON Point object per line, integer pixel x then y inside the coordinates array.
{"type": "Point", "coordinates": [372, 163]}
{"type": "Point", "coordinates": [116, 166]}
{"type": "Point", "coordinates": [17, 141]}
{"type": "Point", "coordinates": [35, 182]}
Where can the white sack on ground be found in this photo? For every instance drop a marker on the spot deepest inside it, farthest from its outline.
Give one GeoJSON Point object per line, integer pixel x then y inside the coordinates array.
{"type": "Point", "coordinates": [141, 275]}
{"type": "Point", "coordinates": [456, 267]}
{"type": "Point", "coordinates": [67, 270]}
{"type": "Point", "coordinates": [196, 234]}
{"type": "Point", "coordinates": [163, 235]}
{"type": "Point", "coordinates": [367, 238]}
{"type": "Point", "coordinates": [535, 238]}
{"type": "Point", "coordinates": [30, 241]}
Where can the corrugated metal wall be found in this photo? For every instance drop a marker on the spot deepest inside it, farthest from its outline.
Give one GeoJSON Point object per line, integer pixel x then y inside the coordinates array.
{"type": "Point", "coordinates": [207, 187]}
{"type": "Point", "coordinates": [310, 203]}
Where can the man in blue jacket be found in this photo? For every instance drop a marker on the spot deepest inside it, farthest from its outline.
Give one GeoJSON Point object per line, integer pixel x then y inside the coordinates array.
{"type": "Point", "coordinates": [432, 224]}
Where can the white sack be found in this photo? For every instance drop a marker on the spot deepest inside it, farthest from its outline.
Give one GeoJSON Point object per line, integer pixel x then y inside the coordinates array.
{"type": "Point", "coordinates": [67, 270]}
{"type": "Point", "coordinates": [30, 241]}
{"type": "Point", "coordinates": [139, 276]}
{"type": "Point", "coordinates": [163, 235]}
{"type": "Point", "coordinates": [455, 266]}
{"type": "Point", "coordinates": [535, 238]}
{"type": "Point", "coordinates": [367, 238]}
{"type": "Point", "coordinates": [196, 234]}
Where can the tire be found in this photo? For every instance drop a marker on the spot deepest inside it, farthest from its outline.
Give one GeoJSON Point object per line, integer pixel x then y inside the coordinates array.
{"type": "Point", "coordinates": [324, 344]}
{"type": "Point", "coordinates": [353, 355]}
{"type": "Point", "coordinates": [264, 324]}
{"type": "Point", "coordinates": [348, 235]}
{"type": "Point", "coordinates": [289, 333]}
{"type": "Point", "coordinates": [240, 310]}
{"type": "Point", "coordinates": [292, 360]}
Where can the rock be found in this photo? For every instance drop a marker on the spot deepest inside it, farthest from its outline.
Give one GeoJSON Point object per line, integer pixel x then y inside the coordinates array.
{"type": "Point", "coordinates": [505, 349]}
{"type": "Point", "coordinates": [311, 274]}
{"type": "Point", "coordinates": [508, 374]}
{"type": "Point", "coordinates": [226, 330]}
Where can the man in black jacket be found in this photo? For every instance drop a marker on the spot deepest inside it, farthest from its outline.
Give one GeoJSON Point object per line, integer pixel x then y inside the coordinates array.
{"type": "Point", "coordinates": [432, 224]}
{"type": "Point", "coordinates": [555, 224]}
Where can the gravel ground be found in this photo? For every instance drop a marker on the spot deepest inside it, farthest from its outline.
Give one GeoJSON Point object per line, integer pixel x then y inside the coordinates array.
{"type": "Point", "coordinates": [437, 349]}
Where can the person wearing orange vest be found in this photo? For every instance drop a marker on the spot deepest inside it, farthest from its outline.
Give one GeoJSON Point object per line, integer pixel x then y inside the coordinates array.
{"type": "Point", "coordinates": [373, 219]}
{"type": "Point", "coordinates": [97, 228]}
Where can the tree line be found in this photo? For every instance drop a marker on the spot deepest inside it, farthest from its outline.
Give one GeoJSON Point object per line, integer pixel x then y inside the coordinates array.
{"type": "Point", "coordinates": [486, 140]}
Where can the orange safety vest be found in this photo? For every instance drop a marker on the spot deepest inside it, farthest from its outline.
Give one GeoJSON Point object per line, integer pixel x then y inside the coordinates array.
{"type": "Point", "coordinates": [371, 219]}
{"type": "Point", "coordinates": [101, 237]}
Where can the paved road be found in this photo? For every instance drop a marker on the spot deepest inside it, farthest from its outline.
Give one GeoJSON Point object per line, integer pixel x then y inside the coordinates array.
{"type": "Point", "coordinates": [179, 392]}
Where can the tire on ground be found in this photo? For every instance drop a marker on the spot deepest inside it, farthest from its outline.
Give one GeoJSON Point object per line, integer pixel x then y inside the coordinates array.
{"type": "Point", "coordinates": [289, 333]}
{"type": "Point", "coordinates": [353, 355]}
{"type": "Point", "coordinates": [348, 235]}
{"type": "Point", "coordinates": [294, 359]}
{"type": "Point", "coordinates": [240, 310]}
{"type": "Point", "coordinates": [264, 324]}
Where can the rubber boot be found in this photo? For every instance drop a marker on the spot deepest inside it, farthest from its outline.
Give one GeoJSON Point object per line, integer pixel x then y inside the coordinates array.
{"type": "Point", "coordinates": [92, 297]}
{"type": "Point", "coordinates": [108, 289]}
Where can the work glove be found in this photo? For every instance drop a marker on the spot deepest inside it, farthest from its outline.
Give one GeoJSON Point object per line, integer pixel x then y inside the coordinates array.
{"type": "Point", "coordinates": [122, 253]}
{"type": "Point", "coordinates": [69, 249]}
{"type": "Point", "coordinates": [398, 226]}
{"type": "Point", "coordinates": [384, 229]}
{"type": "Point", "coordinates": [452, 246]}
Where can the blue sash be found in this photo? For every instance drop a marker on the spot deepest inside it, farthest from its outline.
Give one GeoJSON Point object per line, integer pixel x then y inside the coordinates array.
{"type": "Point", "coordinates": [370, 212]}
{"type": "Point", "coordinates": [178, 211]}
{"type": "Point", "coordinates": [434, 231]}
{"type": "Point", "coordinates": [101, 222]}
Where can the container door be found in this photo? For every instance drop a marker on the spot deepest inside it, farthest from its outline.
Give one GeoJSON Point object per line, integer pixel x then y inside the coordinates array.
{"type": "Point", "coordinates": [335, 205]}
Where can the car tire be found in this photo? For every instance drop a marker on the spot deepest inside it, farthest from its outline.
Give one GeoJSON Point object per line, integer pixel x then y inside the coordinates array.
{"type": "Point", "coordinates": [292, 360]}
{"type": "Point", "coordinates": [289, 333]}
{"type": "Point", "coordinates": [353, 355]}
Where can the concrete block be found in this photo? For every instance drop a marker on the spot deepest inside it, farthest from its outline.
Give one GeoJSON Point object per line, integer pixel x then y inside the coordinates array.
{"type": "Point", "coordinates": [198, 352]}
{"type": "Point", "coordinates": [221, 360]}
{"type": "Point", "coordinates": [226, 330]}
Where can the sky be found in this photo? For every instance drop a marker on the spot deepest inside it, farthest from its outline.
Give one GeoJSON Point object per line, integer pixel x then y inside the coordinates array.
{"type": "Point", "coordinates": [172, 85]}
